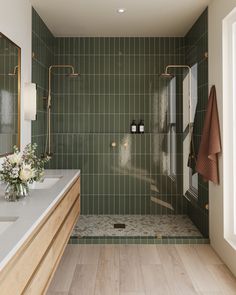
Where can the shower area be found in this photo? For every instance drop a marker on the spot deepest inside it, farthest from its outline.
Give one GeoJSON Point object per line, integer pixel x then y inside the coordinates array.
{"type": "Point", "coordinates": [133, 185]}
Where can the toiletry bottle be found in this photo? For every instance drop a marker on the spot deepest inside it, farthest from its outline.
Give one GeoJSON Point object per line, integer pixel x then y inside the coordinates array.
{"type": "Point", "coordinates": [141, 127]}
{"type": "Point", "coordinates": [133, 127]}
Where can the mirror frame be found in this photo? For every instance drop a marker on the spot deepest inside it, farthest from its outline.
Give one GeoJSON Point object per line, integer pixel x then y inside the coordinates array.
{"type": "Point", "coordinates": [19, 94]}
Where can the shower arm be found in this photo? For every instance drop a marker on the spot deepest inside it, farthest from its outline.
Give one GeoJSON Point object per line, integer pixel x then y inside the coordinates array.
{"type": "Point", "coordinates": [49, 103]}
{"type": "Point", "coordinates": [190, 87]}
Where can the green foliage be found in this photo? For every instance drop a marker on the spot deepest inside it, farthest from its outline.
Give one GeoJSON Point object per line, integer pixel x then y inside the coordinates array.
{"type": "Point", "coordinates": [23, 167]}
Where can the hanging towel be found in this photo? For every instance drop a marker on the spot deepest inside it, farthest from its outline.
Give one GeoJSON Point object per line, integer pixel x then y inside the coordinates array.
{"type": "Point", "coordinates": [210, 146]}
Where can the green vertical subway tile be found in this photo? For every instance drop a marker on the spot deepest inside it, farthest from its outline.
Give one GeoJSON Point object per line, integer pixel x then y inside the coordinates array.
{"type": "Point", "coordinates": [119, 83]}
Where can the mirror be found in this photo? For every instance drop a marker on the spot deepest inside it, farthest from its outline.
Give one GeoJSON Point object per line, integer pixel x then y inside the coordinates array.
{"type": "Point", "coordinates": [10, 70]}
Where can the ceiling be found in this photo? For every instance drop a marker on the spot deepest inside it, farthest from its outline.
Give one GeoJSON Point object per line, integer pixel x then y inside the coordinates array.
{"type": "Point", "coordinates": [99, 18]}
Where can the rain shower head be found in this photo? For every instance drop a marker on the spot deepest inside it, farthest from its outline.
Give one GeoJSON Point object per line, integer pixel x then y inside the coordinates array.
{"type": "Point", "coordinates": [73, 75]}
{"type": "Point", "coordinates": [166, 76]}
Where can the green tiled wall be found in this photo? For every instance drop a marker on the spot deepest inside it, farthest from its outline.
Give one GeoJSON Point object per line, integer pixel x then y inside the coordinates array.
{"type": "Point", "coordinates": [196, 46]}
{"type": "Point", "coordinates": [8, 96]}
{"type": "Point", "coordinates": [42, 57]}
{"type": "Point", "coordinates": [119, 82]}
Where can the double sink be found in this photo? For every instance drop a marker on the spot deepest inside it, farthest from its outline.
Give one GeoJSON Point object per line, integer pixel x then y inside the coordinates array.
{"type": "Point", "coordinates": [47, 183]}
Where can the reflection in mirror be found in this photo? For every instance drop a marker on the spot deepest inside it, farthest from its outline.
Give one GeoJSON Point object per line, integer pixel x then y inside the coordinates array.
{"type": "Point", "coordinates": [9, 95]}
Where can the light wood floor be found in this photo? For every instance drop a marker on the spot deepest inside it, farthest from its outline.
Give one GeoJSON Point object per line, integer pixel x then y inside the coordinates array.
{"type": "Point", "coordinates": [141, 270]}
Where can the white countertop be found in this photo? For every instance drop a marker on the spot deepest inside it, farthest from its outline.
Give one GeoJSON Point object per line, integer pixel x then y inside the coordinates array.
{"type": "Point", "coordinates": [29, 212]}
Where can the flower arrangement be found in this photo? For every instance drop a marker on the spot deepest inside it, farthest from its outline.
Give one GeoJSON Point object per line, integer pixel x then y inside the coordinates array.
{"type": "Point", "coordinates": [21, 169]}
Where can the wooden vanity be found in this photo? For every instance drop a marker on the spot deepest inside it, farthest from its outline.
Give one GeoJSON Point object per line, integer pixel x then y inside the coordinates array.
{"type": "Point", "coordinates": [31, 268]}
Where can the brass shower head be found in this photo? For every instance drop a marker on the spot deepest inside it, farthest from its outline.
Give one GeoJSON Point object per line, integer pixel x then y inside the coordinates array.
{"type": "Point", "coordinates": [73, 75]}
{"type": "Point", "coordinates": [166, 75]}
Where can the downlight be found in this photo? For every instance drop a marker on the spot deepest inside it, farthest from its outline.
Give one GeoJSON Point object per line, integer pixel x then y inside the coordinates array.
{"type": "Point", "coordinates": [121, 10]}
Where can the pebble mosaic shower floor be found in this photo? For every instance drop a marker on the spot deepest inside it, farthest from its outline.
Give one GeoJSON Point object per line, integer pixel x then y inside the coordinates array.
{"type": "Point", "coordinates": [136, 226]}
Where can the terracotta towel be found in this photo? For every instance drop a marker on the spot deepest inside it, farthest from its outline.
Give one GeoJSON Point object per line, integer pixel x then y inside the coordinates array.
{"type": "Point", "coordinates": [210, 146]}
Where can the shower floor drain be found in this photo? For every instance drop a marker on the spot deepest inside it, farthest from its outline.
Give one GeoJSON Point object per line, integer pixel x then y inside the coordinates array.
{"type": "Point", "coordinates": [119, 225]}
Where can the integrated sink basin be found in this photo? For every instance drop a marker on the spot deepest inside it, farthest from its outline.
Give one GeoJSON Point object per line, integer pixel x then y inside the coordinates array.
{"type": "Point", "coordinates": [47, 183]}
{"type": "Point", "coordinates": [5, 222]}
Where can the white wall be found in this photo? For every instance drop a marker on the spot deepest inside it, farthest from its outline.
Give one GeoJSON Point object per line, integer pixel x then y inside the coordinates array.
{"type": "Point", "coordinates": [218, 10]}
{"type": "Point", "coordinates": [15, 23]}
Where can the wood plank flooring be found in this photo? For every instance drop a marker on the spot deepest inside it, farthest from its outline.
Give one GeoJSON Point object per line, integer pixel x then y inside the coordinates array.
{"type": "Point", "coordinates": [142, 270]}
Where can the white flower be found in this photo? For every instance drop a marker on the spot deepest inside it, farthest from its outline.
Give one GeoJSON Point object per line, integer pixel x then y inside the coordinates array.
{"type": "Point", "coordinates": [15, 158]}
{"type": "Point", "coordinates": [26, 173]}
{"type": "Point", "coordinates": [15, 172]}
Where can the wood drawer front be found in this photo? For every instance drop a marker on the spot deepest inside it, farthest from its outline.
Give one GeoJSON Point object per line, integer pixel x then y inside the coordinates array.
{"type": "Point", "coordinates": [16, 275]}
{"type": "Point", "coordinates": [47, 267]}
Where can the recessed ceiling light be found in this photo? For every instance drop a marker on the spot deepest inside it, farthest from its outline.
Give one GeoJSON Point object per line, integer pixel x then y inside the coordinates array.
{"type": "Point", "coordinates": [121, 10]}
